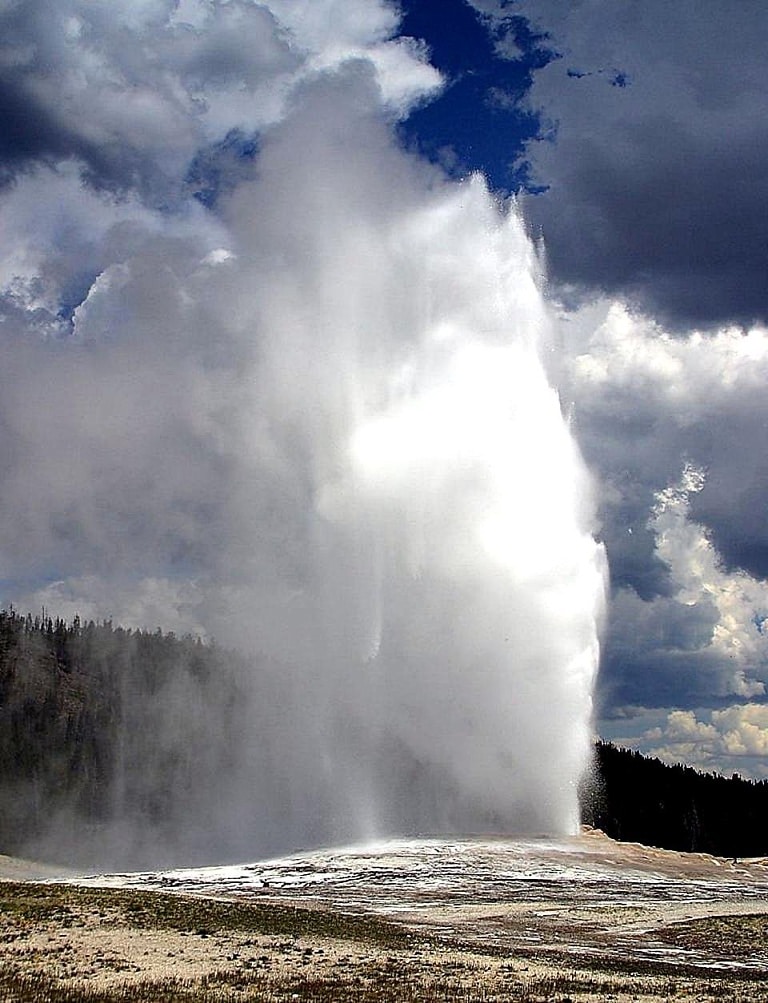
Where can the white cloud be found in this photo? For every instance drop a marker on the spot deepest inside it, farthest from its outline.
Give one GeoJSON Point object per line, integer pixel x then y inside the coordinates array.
{"type": "Point", "coordinates": [689, 579]}
{"type": "Point", "coordinates": [59, 235]}
{"type": "Point", "coordinates": [135, 91]}
{"type": "Point", "coordinates": [690, 374]}
{"type": "Point", "coordinates": [732, 739]}
{"type": "Point", "coordinates": [645, 401]}
{"type": "Point", "coordinates": [740, 601]}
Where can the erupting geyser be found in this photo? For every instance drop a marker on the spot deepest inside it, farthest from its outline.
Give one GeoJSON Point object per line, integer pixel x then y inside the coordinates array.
{"type": "Point", "coordinates": [442, 597]}
{"type": "Point", "coordinates": [307, 412]}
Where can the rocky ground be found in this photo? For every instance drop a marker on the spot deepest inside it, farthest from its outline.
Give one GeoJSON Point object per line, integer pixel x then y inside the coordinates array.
{"type": "Point", "coordinates": [493, 919]}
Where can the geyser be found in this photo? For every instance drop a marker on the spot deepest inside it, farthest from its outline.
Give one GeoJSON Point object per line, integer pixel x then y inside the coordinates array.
{"type": "Point", "coordinates": [434, 588]}
{"type": "Point", "coordinates": [309, 414]}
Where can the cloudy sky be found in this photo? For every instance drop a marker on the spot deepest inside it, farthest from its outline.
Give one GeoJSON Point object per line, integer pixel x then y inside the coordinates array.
{"type": "Point", "coordinates": [635, 137]}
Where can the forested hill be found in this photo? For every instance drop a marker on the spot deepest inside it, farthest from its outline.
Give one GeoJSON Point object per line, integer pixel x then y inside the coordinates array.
{"type": "Point", "coordinates": [640, 799]}
{"type": "Point", "coordinates": [120, 747]}
{"type": "Point", "coordinates": [115, 741]}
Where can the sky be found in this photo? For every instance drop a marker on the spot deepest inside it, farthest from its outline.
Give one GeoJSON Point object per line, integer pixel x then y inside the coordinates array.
{"type": "Point", "coordinates": [633, 137]}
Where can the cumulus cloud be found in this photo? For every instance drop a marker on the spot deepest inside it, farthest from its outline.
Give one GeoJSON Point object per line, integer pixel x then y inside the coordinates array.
{"type": "Point", "coordinates": [673, 427]}
{"type": "Point", "coordinates": [651, 148]}
{"type": "Point", "coordinates": [61, 236]}
{"type": "Point", "coordinates": [134, 91]}
{"type": "Point", "coordinates": [705, 641]}
{"type": "Point", "coordinates": [643, 402]}
{"type": "Point", "coordinates": [732, 739]}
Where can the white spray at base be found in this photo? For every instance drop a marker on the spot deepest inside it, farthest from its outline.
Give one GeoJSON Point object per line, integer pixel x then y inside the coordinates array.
{"type": "Point", "coordinates": [443, 601]}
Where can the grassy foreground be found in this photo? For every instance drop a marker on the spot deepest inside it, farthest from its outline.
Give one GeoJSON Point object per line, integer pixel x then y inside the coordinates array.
{"type": "Point", "coordinates": [65, 944]}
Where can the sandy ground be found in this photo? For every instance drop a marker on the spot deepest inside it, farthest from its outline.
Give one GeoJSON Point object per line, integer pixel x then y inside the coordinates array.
{"type": "Point", "coordinates": [493, 920]}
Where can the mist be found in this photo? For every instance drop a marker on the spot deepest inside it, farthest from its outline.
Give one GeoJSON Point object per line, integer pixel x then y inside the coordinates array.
{"type": "Point", "coordinates": [309, 414]}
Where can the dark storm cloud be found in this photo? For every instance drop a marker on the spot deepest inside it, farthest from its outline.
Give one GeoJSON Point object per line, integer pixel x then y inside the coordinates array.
{"type": "Point", "coordinates": [26, 130]}
{"type": "Point", "coordinates": [686, 243]}
{"type": "Point", "coordinates": [32, 128]}
{"type": "Point", "coordinates": [657, 171]}
{"type": "Point", "coordinates": [659, 654]}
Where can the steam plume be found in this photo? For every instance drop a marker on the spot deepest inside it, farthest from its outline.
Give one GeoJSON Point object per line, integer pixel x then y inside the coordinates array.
{"type": "Point", "coordinates": [316, 422]}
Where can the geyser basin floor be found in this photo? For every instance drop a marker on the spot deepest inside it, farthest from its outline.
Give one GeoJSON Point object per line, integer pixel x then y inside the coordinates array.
{"type": "Point", "coordinates": [586, 894]}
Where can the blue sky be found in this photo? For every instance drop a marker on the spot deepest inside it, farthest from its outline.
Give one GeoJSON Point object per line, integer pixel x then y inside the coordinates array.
{"type": "Point", "coordinates": [477, 123]}
{"type": "Point", "coordinates": [635, 138]}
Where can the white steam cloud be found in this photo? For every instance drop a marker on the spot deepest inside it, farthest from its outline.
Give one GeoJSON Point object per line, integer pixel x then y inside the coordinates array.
{"type": "Point", "coordinates": [312, 419]}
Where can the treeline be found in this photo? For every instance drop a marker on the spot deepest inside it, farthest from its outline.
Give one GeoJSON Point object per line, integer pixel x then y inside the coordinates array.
{"type": "Point", "coordinates": [116, 742]}
{"type": "Point", "coordinates": [127, 748]}
{"type": "Point", "coordinates": [640, 799]}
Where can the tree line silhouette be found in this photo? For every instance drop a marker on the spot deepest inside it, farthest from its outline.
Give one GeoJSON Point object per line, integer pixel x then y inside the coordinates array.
{"type": "Point", "coordinates": [102, 726]}
{"type": "Point", "coordinates": [110, 735]}
{"type": "Point", "coordinates": [640, 799]}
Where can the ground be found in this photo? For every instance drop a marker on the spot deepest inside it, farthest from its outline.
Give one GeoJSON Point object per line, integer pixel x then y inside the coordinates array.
{"type": "Point", "coordinates": [411, 920]}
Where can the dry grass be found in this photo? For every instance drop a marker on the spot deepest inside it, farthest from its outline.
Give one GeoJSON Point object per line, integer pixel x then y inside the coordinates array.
{"type": "Point", "coordinates": [64, 944]}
